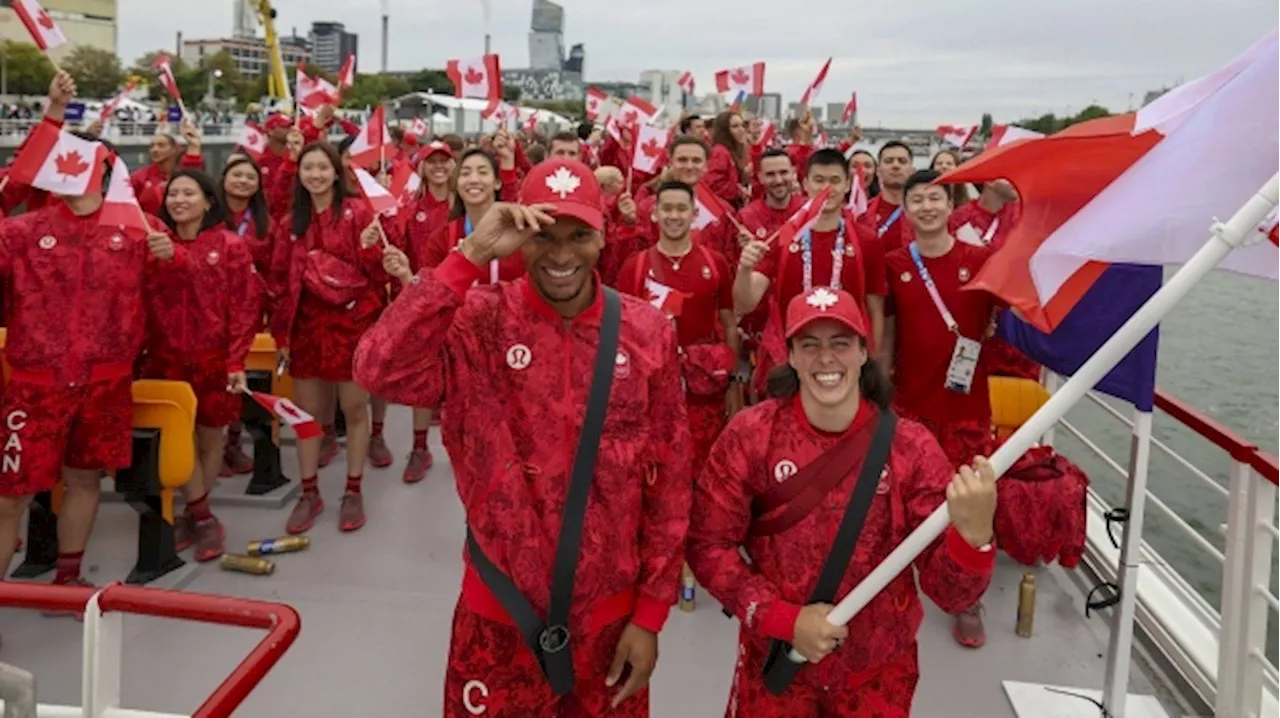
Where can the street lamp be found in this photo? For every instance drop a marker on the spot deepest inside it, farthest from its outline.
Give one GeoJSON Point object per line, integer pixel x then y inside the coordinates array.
{"type": "Point", "coordinates": [210, 93]}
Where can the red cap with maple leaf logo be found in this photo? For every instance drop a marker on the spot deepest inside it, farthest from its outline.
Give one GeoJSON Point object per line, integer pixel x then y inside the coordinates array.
{"type": "Point", "coordinates": [434, 147]}
{"type": "Point", "coordinates": [569, 186]}
{"type": "Point", "coordinates": [825, 303]}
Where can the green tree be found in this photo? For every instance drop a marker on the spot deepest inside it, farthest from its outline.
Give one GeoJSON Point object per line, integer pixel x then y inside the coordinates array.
{"type": "Point", "coordinates": [572, 109]}
{"type": "Point", "coordinates": [1051, 123]}
{"type": "Point", "coordinates": [372, 90]}
{"type": "Point", "coordinates": [98, 73]}
{"type": "Point", "coordinates": [231, 83]}
{"type": "Point", "coordinates": [985, 130]}
{"type": "Point", "coordinates": [511, 93]}
{"type": "Point", "coordinates": [436, 81]}
{"type": "Point", "coordinates": [27, 70]}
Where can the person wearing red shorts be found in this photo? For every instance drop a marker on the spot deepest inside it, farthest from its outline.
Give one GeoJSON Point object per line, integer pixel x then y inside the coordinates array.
{"type": "Point", "coordinates": [203, 314]}
{"type": "Point", "coordinates": [76, 325]}
{"type": "Point", "coordinates": [329, 290]}
{"type": "Point", "coordinates": [783, 482]}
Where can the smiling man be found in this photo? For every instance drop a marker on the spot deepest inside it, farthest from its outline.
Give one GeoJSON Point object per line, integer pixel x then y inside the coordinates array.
{"type": "Point", "coordinates": [565, 420]}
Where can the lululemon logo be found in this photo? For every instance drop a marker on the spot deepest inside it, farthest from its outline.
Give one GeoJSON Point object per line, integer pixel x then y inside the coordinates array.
{"type": "Point", "coordinates": [48, 242]}
{"type": "Point", "coordinates": [784, 470]}
{"type": "Point", "coordinates": [519, 356]}
{"type": "Point", "coordinates": [11, 459]}
{"type": "Point", "coordinates": [621, 365]}
{"type": "Point", "coordinates": [468, 691]}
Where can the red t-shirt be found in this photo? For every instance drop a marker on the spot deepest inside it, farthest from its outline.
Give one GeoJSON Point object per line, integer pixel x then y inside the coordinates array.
{"type": "Point", "coordinates": [893, 235]}
{"type": "Point", "coordinates": [861, 273]}
{"type": "Point", "coordinates": [924, 345]}
{"type": "Point", "coordinates": [703, 279]}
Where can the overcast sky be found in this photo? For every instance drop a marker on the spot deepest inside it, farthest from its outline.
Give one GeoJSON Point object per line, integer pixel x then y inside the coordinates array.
{"type": "Point", "coordinates": [914, 63]}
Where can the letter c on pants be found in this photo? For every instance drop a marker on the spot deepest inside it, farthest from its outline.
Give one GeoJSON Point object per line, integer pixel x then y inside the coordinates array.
{"type": "Point", "coordinates": [472, 708]}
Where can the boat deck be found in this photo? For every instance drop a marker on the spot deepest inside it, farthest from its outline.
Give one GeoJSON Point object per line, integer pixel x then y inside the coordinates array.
{"type": "Point", "coordinates": [376, 609]}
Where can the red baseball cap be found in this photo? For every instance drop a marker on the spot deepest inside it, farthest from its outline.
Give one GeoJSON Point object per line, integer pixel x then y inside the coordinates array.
{"type": "Point", "coordinates": [569, 186]}
{"type": "Point", "coordinates": [411, 140]}
{"type": "Point", "coordinates": [434, 147]}
{"type": "Point", "coordinates": [276, 121]}
{"type": "Point", "coordinates": [825, 303]}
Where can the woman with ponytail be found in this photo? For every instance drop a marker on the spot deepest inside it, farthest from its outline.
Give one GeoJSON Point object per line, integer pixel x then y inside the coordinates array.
{"type": "Point", "coordinates": [779, 482]}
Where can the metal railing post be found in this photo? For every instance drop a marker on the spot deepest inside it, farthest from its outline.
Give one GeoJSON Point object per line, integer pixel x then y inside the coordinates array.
{"type": "Point", "coordinates": [18, 691]}
{"type": "Point", "coordinates": [1231, 610]}
{"type": "Point", "coordinates": [1260, 508]}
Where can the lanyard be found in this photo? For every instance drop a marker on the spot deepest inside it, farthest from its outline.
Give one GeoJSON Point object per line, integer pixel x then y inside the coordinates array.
{"type": "Point", "coordinates": [493, 263]}
{"type": "Point", "coordinates": [244, 222]}
{"type": "Point", "coordinates": [949, 320]}
{"type": "Point", "coordinates": [897, 213]}
{"type": "Point", "coordinates": [837, 258]}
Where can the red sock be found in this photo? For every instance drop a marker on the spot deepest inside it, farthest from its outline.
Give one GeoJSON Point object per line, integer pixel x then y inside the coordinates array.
{"type": "Point", "coordinates": [377, 429]}
{"type": "Point", "coordinates": [420, 440]}
{"type": "Point", "coordinates": [353, 484]}
{"type": "Point", "coordinates": [68, 567]}
{"type": "Point", "coordinates": [309, 486]}
{"type": "Point", "coordinates": [199, 509]}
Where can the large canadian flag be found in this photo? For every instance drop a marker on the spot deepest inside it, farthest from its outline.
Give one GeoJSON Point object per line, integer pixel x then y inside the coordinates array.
{"type": "Point", "coordinates": [476, 77]}
{"type": "Point", "coordinates": [60, 163]}
{"type": "Point", "coordinates": [44, 31]}
{"type": "Point", "coordinates": [1139, 188]}
{"type": "Point", "coordinates": [748, 79]}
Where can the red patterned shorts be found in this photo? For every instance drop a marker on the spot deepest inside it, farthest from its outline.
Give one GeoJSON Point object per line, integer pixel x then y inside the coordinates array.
{"type": "Point", "coordinates": [215, 406]}
{"type": "Point", "coordinates": [47, 427]}
{"type": "Point", "coordinates": [886, 692]}
{"type": "Point", "coordinates": [493, 673]}
{"type": "Point", "coordinates": [707, 418]}
{"type": "Point", "coordinates": [323, 343]}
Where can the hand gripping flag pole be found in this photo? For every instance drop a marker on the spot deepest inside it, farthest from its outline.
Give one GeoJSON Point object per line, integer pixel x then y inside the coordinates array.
{"type": "Point", "coordinates": [1239, 230]}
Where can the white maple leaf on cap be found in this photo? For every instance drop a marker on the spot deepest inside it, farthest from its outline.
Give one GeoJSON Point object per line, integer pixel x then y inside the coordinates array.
{"type": "Point", "coordinates": [822, 298]}
{"type": "Point", "coordinates": [563, 182]}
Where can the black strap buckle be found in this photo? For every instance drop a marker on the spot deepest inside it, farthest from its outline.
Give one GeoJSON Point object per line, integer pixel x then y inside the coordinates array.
{"type": "Point", "coordinates": [554, 639]}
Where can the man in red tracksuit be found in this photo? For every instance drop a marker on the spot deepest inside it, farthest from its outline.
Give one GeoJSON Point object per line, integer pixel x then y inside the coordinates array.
{"type": "Point", "coordinates": [514, 365]}
{"type": "Point", "coordinates": [779, 484]}
{"type": "Point", "coordinates": [76, 327]}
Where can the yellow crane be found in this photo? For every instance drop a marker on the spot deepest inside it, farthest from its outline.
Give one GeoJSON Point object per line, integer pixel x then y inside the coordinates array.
{"type": "Point", "coordinates": [277, 80]}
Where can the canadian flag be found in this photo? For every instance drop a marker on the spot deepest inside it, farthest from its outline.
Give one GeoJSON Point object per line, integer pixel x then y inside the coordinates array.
{"type": "Point", "coordinates": [314, 92]}
{"type": "Point", "coordinates": [804, 218]}
{"type": "Point", "coordinates": [665, 299]}
{"type": "Point", "coordinates": [162, 65]}
{"type": "Point", "coordinates": [380, 200]}
{"type": "Point", "coordinates": [1004, 134]}
{"type": "Point", "coordinates": [405, 183]}
{"type": "Point", "coordinates": [120, 206]}
{"type": "Point", "coordinates": [710, 208]}
{"type": "Point", "coordinates": [304, 425]}
{"type": "Point", "coordinates": [636, 111]}
{"type": "Point", "coordinates": [476, 77]}
{"type": "Point", "coordinates": [109, 109]}
{"type": "Point", "coordinates": [373, 142]}
{"type": "Point", "coordinates": [347, 75]}
{"type": "Point", "coordinates": [531, 122]}
{"type": "Point", "coordinates": [651, 147]}
{"type": "Point", "coordinates": [419, 127]}
{"type": "Point", "coordinates": [44, 31]}
{"type": "Point", "coordinates": [686, 82]}
{"type": "Point", "coordinates": [768, 131]}
{"type": "Point", "coordinates": [810, 97]}
{"type": "Point", "coordinates": [502, 113]}
{"type": "Point", "coordinates": [596, 100]}
{"type": "Point", "coordinates": [749, 79]}
{"type": "Point", "coordinates": [59, 162]}
{"type": "Point", "coordinates": [252, 140]}
{"type": "Point", "coordinates": [857, 204]}
{"type": "Point", "coordinates": [957, 135]}
{"type": "Point", "coordinates": [850, 109]}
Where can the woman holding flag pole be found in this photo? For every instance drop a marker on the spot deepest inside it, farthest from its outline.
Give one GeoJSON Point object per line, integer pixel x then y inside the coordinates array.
{"type": "Point", "coordinates": [203, 314]}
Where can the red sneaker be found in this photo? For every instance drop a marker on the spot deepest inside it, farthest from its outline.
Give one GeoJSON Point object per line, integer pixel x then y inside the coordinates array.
{"type": "Point", "coordinates": [304, 514]}
{"type": "Point", "coordinates": [379, 454]}
{"type": "Point", "coordinates": [236, 461]}
{"type": "Point", "coordinates": [351, 515]}
{"type": "Point", "coordinates": [78, 615]}
{"type": "Point", "coordinates": [209, 538]}
{"type": "Point", "coordinates": [329, 450]}
{"type": "Point", "coordinates": [969, 630]}
{"type": "Point", "coordinates": [183, 531]}
{"type": "Point", "coordinates": [419, 462]}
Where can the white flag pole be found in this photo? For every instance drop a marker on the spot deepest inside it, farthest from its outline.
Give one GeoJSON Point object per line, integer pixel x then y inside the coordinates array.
{"type": "Point", "coordinates": [1234, 233]}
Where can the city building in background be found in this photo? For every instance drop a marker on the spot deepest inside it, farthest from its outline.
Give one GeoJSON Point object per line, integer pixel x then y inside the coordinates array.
{"type": "Point", "coordinates": [330, 45]}
{"type": "Point", "coordinates": [249, 53]}
{"type": "Point", "coordinates": [89, 23]}
{"type": "Point", "coordinates": [546, 36]}
{"type": "Point", "coordinates": [661, 88]}
{"type": "Point", "coordinates": [577, 61]}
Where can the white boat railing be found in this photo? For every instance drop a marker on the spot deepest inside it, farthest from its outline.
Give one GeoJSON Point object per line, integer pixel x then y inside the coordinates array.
{"type": "Point", "coordinates": [1219, 651]}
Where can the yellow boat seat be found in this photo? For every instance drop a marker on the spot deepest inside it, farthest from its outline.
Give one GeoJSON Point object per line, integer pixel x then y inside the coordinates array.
{"type": "Point", "coordinates": [1013, 401]}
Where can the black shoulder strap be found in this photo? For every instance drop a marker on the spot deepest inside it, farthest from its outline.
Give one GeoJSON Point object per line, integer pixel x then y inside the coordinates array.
{"type": "Point", "coordinates": [779, 670]}
{"type": "Point", "coordinates": [549, 640]}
